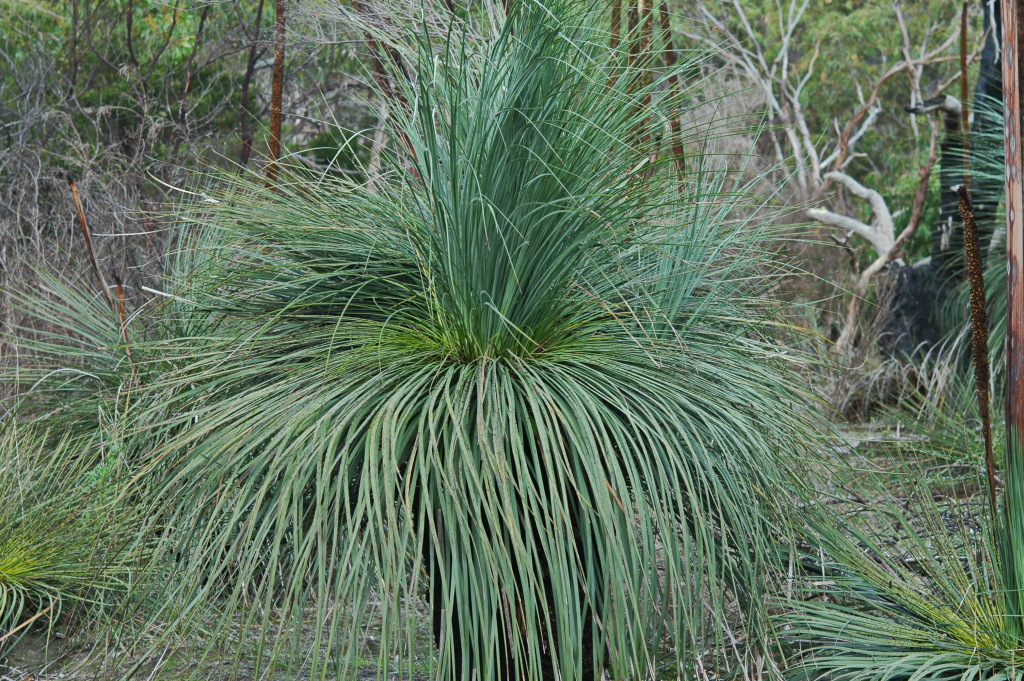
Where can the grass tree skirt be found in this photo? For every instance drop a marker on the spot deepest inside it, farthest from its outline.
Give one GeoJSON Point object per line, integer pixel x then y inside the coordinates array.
{"type": "Point", "coordinates": [514, 373]}
{"type": "Point", "coordinates": [513, 645]}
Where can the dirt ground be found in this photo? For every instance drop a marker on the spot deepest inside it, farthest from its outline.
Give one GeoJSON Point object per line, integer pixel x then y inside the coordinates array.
{"type": "Point", "coordinates": [38, 657]}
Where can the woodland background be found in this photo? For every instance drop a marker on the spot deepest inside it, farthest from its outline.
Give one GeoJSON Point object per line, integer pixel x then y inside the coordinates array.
{"type": "Point", "coordinates": [131, 98]}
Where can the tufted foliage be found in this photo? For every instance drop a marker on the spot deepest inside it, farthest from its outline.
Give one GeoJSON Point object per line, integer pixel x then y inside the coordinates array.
{"type": "Point", "coordinates": [515, 376]}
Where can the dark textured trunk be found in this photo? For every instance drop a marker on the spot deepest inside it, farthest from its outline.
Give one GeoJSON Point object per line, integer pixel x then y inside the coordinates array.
{"type": "Point", "coordinates": [915, 295]}
{"type": "Point", "coordinates": [250, 66]}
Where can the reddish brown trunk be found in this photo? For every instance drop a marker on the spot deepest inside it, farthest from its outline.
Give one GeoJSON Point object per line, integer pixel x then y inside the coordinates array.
{"type": "Point", "coordinates": [669, 52]}
{"type": "Point", "coordinates": [616, 36]}
{"type": "Point", "coordinates": [616, 23]}
{"type": "Point", "coordinates": [641, 26]}
{"type": "Point", "coordinates": [276, 94]}
{"type": "Point", "coordinates": [633, 12]}
{"type": "Point", "coordinates": [391, 92]}
{"type": "Point", "coordinates": [1012, 28]}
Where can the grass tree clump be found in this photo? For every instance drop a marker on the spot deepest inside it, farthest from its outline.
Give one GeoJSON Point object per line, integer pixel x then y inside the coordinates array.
{"type": "Point", "coordinates": [64, 534]}
{"type": "Point", "coordinates": [67, 362]}
{"type": "Point", "coordinates": [515, 376]}
{"type": "Point", "coordinates": [869, 610]}
{"type": "Point", "coordinates": [923, 585]}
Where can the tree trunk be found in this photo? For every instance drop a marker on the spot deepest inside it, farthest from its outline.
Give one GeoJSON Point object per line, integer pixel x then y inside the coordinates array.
{"type": "Point", "coordinates": [276, 94]}
{"type": "Point", "coordinates": [250, 66]}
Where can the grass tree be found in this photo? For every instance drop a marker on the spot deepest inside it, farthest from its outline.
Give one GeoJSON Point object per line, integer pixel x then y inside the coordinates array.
{"type": "Point", "coordinates": [920, 585]}
{"type": "Point", "coordinates": [64, 534]}
{"type": "Point", "coordinates": [514, 376]}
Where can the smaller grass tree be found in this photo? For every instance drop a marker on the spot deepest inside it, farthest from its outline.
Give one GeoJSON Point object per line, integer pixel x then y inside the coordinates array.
{"type": "Point", "coordinates": [64, 534]}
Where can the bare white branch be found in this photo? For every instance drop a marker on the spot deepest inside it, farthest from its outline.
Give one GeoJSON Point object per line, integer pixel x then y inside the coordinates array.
{"type": "Point", "coordinates": [878, 240]}
{"type": "Point", "coordinates": [880, 234]}
{"type": "Point", "coordinates": [877, 202]}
